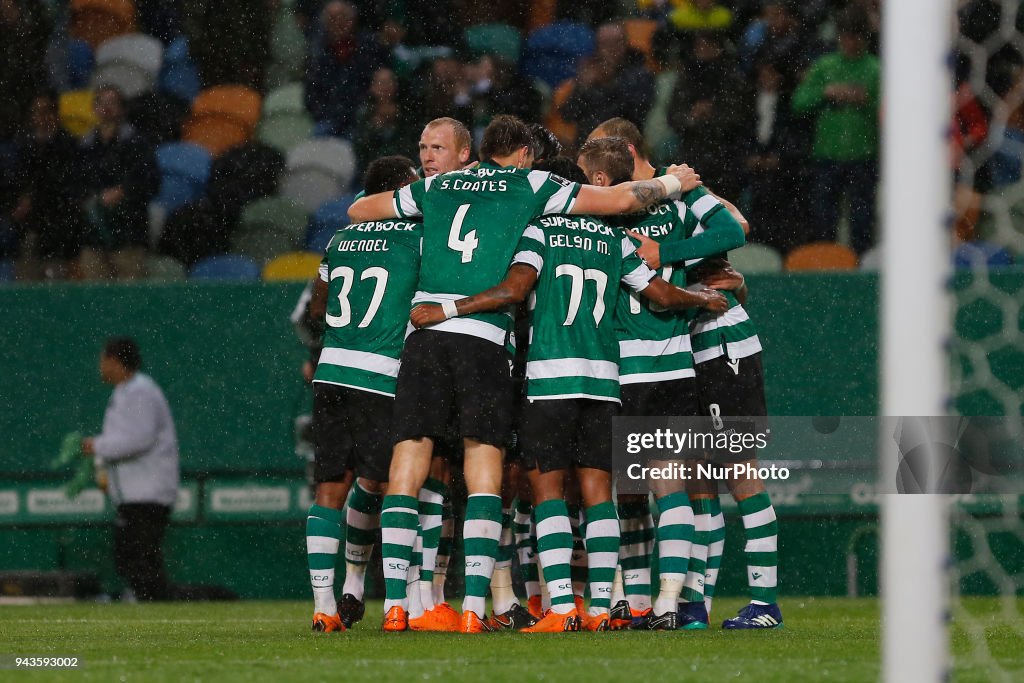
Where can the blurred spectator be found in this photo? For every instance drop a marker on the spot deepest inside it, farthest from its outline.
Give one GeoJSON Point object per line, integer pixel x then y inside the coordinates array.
{"type": "Point", "coordinates": [232, 43]}
{"type": "Point", "coordinates": [777, 37]}
{"type": "Point", "coordinates": [775, 165]}
{"type": "Point", "coordinates": [23, 40]}
{"type": "Point", "coordinates": [499, 89]}
{"type": "Point", "coordinates": [382, 125]}
{"type": "Point", "coordinates": [841, 92]}
{"type": "Point", "coordinates": [47, 209]}
{"type": "Point", "coordinates": [341, 64]}
{"type": "Point", "coordinates": [701, 15]}
{"type": "Point", "coordinates": [613, 82]}
{"type": "Point", "coordinates": [445, 92]}
{"type": "Point", "coordinates": [121, 177]}
{"type": "Point", "coordinates": [712, 112]}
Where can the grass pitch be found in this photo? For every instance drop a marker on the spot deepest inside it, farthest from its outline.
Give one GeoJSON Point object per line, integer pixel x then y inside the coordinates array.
{"type": "Point", "coordinates": [824, 639]}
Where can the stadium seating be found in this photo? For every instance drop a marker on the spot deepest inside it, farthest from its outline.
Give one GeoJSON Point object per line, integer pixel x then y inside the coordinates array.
{"type": "Point", "coordinates": [325, 222]}
{"type": "Point", "coordinates": [298, 265]}
{"type": "Point", "coordinates": [494, 39]}
{"type": "Point", "coordinates": [285, 122]}
{"type": "Point", "coordinates": [80, 62]}
{"type": "Point", "coordinates": [96, 21]}
{"type": "Point", "coordinates": [179, 75]}
{"type": "Point", "coordinates": [165, 269]}
{"type": "Point", "coordinates": [131, 62]}
{"type": "Point", "coordinates": [660, 137]}
{"type": "Point", "coordinates": [756, 258]}
{"type": "Point", "coordinates": [287, 49]}
{"type": "Point", "coordinates": [222, 117]}
{"type": "Point", "coordinates": [130, 79]}
{"type": "Point", "coordinates": [225, 267]}
{"type": "Point", "coordinates": [76, 112]}
{"type": "Point", "coordinates": [6, 270]}
{"type": "Point", "coordinates": [640, 35]}
{"type": "Point", "coordinates": [551, 52]}
{"type": "Point", "coordinates": [821, 256]}
{"type": "Point", "coordinates": [871, 259]}
{"type": "Point", "coordinates": [268, 228]}
{"type": "Point", "coordinates": [318, 170]}
{"type": "Point", "coordinates": [981, 254]}
{"type": "Point", "coordinates": [184, 169]}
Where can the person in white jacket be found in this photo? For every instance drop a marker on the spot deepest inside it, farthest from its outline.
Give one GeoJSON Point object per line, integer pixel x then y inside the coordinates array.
{"type": "Point", "coordinates": [139, 450]}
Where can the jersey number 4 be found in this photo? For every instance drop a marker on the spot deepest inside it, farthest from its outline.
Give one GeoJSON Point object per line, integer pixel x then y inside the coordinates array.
{"type": "Point", "coordinates": [348, 278]}
{"type": "Point", "coordinates": [464, 245]}
{"type": "Point", "coordinates": [577, 277]}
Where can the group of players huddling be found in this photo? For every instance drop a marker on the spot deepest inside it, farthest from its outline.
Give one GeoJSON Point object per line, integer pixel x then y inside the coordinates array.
{"type": "Point", "coordinates": [614, 274]}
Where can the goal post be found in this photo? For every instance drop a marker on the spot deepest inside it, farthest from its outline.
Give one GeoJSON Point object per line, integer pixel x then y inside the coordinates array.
{"type": "Point", "coordinates": [915, 325]}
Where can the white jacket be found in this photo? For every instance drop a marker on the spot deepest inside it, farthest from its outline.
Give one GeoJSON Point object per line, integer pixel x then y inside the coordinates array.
{"type": "Point", "coordinates": [139, 446]}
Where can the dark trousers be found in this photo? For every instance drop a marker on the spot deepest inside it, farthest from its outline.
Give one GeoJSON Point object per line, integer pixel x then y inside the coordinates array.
{"type": "Point", "coordinates": [855, 179]}
{"type": "Point", "coordinates": [138, 532]}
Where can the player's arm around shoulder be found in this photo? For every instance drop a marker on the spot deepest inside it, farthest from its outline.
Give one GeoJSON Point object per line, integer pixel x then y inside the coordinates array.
{"type": "Point", "coordinates": [635, 195]}
{"type": "Point", "coordinates": [512, 290]}
{"type": "Point", "coordinates": [373, 207]}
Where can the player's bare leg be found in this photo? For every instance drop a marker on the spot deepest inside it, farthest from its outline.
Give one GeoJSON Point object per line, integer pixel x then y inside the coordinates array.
{"type": "Point", "coordinates": [399, 521]}
{"type": "Point", "coordinates": [323, 539]}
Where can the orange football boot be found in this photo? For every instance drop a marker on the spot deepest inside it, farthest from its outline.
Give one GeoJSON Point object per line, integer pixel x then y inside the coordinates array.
{"type": "Point", "coordinates": [471, 623]}
{"type": "Point", "coordinates": [327, 623]}
{"type": "Point", "coordinates": [439, 618]}
{"type": "Point", "coordinates": [589, 622]}
{"type": "Point", "coordinates": [555, 623]}
{"type": "Point", "coordinates": [535, 605]}
{"type": "Point", "coordinates": [395, 620]}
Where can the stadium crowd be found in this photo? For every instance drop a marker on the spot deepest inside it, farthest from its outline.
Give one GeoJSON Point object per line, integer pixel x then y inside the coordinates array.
{"type": "Point", "coordinates": [770, 99]}
{"type": "Point", "coordinates": [143, 136]}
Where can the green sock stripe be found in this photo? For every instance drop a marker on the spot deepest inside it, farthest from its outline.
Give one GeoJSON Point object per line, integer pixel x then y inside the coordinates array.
{"type": "Point", "coordinates": [328, 514]}
{"type": "Point", "coordinates": [436, 486]}
{"type": "Point", "coordinates": [756, 503]}
{"type": "Point", "coordinates": [768, 595]}
{"type": "Point", "coordinates": [363, 501]}
{"type": "Point", "coordinates": [524, 506]}
{"type": "Point", "coordinates": [550, 508]}
{"type": "Point", "coordinates": [603, 545]}
{"type": "Point", "coordinates": [716, 534]}
{"type": "Point", "coordinates": [316, 526]}
{"type": "Point", "coordinates": [673, 500]}
{"type": "Point", "coordinates": [322, 560]}
{"type": "Point", "coordinates": [763, 531]}
{"type": "Point", "coordinates": [638, 562]}
{"type": "Point", "coordinates": [600, 511]}
{"type": "Point", "coordinates": [401, 502]}
{"type": "Point", "coordinates": [714, 506]}
{"type": "Point", "coordinates": [487, 508]}
{"type": "Point", "coordinates": [553, 542]}
{"type": "Point", "coordinates": [675, 532]}
{"type": "Point", "coordinates": [762, 559]}
{"type": "Point", "coordinates": [701, 506]}
{"type": "Point", "coordinates": [358, 536]}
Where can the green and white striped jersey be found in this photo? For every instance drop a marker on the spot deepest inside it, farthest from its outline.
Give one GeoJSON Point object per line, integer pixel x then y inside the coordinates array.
{"type": "Point", "coordinates": [472, 222]}
{"type": "Point", "coordinates": [574, 352]}
{"type": "Point", "coordinates": [713, 334]}
{"type": "Point", "coordinates": [370, 270]}
{"type": "Point", "coordinates": [654, 343]}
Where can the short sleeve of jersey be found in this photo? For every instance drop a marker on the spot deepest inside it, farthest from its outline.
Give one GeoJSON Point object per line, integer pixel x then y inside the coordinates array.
{"type": "Point", "coordinates": [554, 193]}
{"type": "Point", "coordinates": [408, 200]}
{"type": "Point", "coordinates": [322, 270]}
{"type": "Point", "coordinates": [636, 274]}
{"type": "Point", "coordinates": [530, 249]}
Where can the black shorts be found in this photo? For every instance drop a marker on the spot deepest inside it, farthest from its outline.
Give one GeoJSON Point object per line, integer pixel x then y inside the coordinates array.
{"type": "Point", "coordinates": [557, 433]}
{"type": "Point", "coordinates": [733, 389]}
{"type": "Point", "coordinates": [447, 376]}
{"type": "Point", "coordinates": [351, 431]}
{"type": "Point", "coordinates": [677, 397]}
